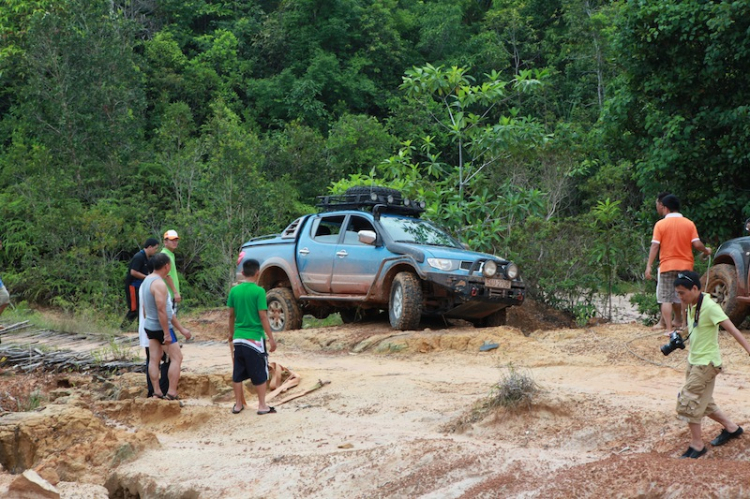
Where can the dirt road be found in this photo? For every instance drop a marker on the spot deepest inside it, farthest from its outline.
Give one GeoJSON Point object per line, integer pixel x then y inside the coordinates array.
{"type": "Point", "coordinates": [403, 417]}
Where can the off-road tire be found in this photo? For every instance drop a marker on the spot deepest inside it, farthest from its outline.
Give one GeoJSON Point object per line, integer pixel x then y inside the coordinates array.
{"type": "Point", "coordinates": [499, 318]}
{"type": "Point", "coordinates": [405, 305]}
{"type": "Point", "coordinates": [380, 191]}
{"type": "Point", "coordinates": [284, 313]}
{"type": "Point", "coordinates": [722, 286]}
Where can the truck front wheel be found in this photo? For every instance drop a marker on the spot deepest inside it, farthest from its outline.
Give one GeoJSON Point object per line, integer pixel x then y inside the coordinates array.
{"type": "Point", "coordinates": [722, 285]}
{"type": "Point", "coordinates": [284, 313]}
{"type": "Point", "coordinates": [405, 306]}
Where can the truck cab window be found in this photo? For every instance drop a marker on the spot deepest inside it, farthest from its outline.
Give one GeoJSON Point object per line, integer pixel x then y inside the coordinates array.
{"type": "Point", "coordinates": [355, 225]}
{"type": "Point", "coordinates": [328, 229]}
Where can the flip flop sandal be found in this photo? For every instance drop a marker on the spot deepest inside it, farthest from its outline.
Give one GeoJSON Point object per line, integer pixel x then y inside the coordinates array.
{"type": "Point", "coordinates": [237, 411]}
{"type": "Point", "coordinates": [171, 397]}
{"type": "Point", "coordinates": [270, 410]}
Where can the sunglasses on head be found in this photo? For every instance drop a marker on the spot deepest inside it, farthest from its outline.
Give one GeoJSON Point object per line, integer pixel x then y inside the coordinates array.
{"type": "Point", "coordinates": [685, 276]}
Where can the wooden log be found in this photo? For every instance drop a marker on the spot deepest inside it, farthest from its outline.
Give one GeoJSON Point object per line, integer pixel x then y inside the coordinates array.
{"type": "Point", "coordinates": [14, 327]}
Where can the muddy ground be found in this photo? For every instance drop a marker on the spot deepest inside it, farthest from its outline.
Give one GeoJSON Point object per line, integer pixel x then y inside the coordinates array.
{"type": "Point", "coordinates": [403, 414]}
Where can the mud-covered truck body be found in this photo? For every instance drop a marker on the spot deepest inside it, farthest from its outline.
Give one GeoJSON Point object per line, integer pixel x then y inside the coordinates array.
{"type": "Point", "coordinates": [728, 279]}
{"type": "Point", "coordinates": [369, 251]}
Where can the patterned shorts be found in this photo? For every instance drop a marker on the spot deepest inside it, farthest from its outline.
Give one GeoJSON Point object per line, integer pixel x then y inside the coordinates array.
{"type": "Point", "coordinates": [665, 292]}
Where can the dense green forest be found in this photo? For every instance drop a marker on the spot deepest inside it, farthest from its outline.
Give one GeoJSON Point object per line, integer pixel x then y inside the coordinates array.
{"type": "Point", "coordinates": [540, 130]}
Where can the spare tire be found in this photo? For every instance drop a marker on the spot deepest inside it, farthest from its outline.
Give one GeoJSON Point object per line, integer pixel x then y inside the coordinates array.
{"type": "Point", "coordinates": [382, 192]}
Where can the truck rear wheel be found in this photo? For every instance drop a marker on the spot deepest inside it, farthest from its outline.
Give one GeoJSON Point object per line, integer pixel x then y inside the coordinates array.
{"type": "Point", "coordinates": [284, 313]}
{"type": "Point", "coordinates": [722, 286]}
{"type": "Point", "coordinates": [405, 305]}
{"type": "Point", "coordinates": [495, 319]}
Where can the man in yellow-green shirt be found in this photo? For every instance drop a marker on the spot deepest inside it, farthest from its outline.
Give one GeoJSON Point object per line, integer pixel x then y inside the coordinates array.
{"type": "Point", "coordinates": [704, 316]}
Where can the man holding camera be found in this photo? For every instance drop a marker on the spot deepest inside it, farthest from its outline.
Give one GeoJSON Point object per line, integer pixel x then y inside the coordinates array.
{"type": "Point", "coordinates": [695, 400]}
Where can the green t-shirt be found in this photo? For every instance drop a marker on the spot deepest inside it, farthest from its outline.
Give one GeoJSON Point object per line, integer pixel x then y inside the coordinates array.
{"type": "Point", "coordinates": [247, 298]}
{"type": "Point", "coordinates": [172, 272]}
{"type": "Point", "coordinates": [704, 338]}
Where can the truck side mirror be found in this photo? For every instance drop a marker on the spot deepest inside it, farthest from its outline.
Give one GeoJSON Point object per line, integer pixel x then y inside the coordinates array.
{"type": "Point", "coordinates": [367, 236]}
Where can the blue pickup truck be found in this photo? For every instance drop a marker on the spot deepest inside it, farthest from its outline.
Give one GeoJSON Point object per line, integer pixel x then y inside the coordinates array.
{"type": "Point", "coordinates": [368, 251]}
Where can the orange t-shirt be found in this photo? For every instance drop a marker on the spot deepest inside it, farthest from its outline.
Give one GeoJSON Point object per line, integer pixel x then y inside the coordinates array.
{"type": "Point", "coordinates": [675, 235]}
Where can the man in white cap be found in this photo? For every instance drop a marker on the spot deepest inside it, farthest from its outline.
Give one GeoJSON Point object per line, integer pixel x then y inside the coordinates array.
{"type": "Point", "coordinates": [171, 241]}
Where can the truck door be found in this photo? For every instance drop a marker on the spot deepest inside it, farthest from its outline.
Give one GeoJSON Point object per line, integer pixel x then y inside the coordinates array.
{"type": "Point", "coordinates": [355, 263]}
{"type": "Point", "coordinates": [316, 252]}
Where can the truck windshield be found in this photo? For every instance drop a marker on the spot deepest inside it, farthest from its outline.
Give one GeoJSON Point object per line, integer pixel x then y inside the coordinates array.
{"type": "Point", "coordinates": [410, 230]}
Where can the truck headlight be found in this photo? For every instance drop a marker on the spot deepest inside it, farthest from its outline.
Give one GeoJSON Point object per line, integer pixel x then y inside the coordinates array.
{"type": "Point", "coordinates": [489, 268]}
{"type": "Point", "coordinates": [511, 271]}
{"type": "Point", "coordinates": [440, 264]}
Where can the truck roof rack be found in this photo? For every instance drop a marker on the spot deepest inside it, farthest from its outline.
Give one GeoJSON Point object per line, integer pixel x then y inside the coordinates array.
{"type": "Point", "coordinates": [375, 202]}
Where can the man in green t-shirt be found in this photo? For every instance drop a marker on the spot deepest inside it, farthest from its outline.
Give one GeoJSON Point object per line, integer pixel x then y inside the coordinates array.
{"type": "Point", "coordinates": [171, 241]}
{"type": "Point", "coordinates": [248, 329]}
{"type": "Point", "coordinates": [704, 316]}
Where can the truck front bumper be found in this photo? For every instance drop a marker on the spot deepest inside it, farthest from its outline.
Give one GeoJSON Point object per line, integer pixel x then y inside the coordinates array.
{"type": "Point", "coordinates": [472, 299]}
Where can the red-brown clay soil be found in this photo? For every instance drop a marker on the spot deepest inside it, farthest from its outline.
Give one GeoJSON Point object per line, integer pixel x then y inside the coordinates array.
{"type": "Point", "coordinates": [405, 415]}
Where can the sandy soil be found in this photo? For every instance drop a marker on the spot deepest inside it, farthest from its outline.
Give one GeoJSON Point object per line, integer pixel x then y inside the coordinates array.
{"type": "Point", "coordinates": [407, 415]}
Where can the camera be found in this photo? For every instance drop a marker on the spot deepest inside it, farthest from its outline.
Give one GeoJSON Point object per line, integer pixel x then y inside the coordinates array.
{"type": "Point", "coordinates": [675, 342]}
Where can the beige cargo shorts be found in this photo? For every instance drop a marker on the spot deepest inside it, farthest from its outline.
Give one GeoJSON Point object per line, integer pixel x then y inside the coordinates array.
{"type": "Point", "coordinates": [696, 399]}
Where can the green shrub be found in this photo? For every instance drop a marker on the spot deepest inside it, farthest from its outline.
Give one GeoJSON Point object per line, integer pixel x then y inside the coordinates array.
{"type": "Point", "coordinates": [647, 306]}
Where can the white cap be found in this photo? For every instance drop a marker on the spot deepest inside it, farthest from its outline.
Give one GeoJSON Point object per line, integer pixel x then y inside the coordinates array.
{"type": "Point", "coordinates": [171, 234]}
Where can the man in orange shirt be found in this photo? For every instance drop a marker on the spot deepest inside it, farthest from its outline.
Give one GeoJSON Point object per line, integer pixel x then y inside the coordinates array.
{"type": "Point", "coordinates": [661, 211]}
{"type": "Point", "coordinates": [674, 239]}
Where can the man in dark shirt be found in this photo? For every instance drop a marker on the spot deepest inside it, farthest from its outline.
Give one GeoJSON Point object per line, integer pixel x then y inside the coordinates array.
{"type": "Point", "coordinates": [138, 269]}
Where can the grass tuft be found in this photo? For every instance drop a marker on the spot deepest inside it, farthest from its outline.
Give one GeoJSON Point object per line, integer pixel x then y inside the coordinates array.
{"type": "Point", "coordinates": [310, 322]}
{"type": "Point", "coordinates": [515, 390]}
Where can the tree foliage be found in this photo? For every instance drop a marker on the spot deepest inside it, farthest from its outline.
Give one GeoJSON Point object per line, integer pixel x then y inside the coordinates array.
{"type": "Point", "coordinates": [521, 123]}
{"type": "Point", "coordinates": [685, 101]}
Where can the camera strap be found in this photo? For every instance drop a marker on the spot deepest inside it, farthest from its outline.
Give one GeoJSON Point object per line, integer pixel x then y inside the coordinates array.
{"type": "Point", "coordinates": [697, 315]}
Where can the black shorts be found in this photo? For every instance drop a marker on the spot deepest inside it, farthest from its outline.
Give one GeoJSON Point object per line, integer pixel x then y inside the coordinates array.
{"type": "Point", "coordinates": [159, 335]}
{"type": "Point", "coordinates": [249, 364]}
